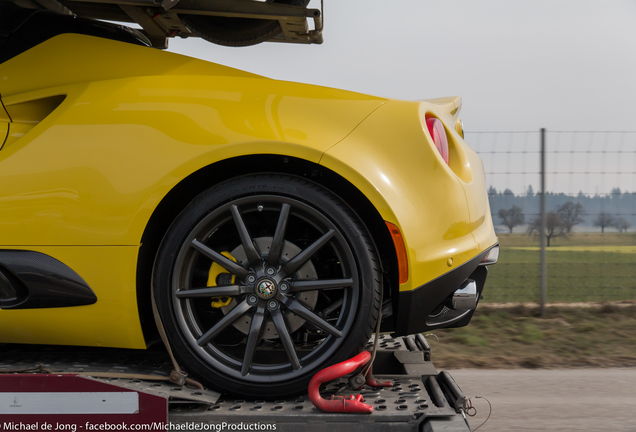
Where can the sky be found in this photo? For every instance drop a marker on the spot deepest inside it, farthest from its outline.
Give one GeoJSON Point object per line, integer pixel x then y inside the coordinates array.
{"type": "Point", "coordinates": [563, 65]}
{"type": "Point", "coordinates": [567, 65]}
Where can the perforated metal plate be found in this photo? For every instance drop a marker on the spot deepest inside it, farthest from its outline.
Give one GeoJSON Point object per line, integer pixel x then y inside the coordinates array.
{"type": "Point", "coordinates": [408, 406]}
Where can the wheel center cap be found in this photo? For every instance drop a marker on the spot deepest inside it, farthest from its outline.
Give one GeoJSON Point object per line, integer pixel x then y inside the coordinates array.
{"type": "Point", "coordinates": [266, 289]}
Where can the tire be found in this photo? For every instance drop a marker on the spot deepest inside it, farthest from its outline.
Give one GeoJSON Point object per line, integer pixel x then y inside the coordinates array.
{"type": "Point", "coordinates": [236, 32]}
{"type": "Point", "coordinates": [305, 290]}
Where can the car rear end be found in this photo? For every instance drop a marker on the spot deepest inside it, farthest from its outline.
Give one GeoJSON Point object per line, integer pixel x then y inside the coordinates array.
{"type": "Point", "coordinates": [411, 161]}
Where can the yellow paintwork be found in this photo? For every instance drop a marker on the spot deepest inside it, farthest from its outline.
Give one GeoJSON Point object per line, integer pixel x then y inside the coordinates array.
{"type": "Point", "coordinates": [81, 183]}
{"type": "Point", "coordinates": [109, 133]}
{"type": "Point", "coordinates": [437, 207]}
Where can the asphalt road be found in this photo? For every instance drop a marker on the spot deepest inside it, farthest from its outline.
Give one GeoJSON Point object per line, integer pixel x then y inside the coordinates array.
{"type": "Point", "coordinates": [552, 400]}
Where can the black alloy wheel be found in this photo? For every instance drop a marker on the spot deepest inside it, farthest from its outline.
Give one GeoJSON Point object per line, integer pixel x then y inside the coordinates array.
{"type": "Point", "coordinates": [264, 280]}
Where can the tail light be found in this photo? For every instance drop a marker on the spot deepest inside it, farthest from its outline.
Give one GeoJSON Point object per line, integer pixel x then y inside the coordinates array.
{"type": "Point", "coordinates": [438, 133]}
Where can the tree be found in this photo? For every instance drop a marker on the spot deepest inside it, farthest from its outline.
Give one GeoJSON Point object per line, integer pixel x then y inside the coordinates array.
{"type": "Point", "coordinates": [508, 192]}
{"type": "Point", "coordinates": [571, 214]}
{"type": "Point", "coordinates": [621, 224]}
{"type": "Point", "coordinates": [530, 191]}
{"type": "Point", "coordinates": [616, 192]}
{"type": "Point", "coordinates": [554, 226]}
{"type": "Point", "coordinates": [603, 220]}
{"type": "Point", "coordinates": [512, 217]}
{"type": "Point", "coordinates": [492, 191]}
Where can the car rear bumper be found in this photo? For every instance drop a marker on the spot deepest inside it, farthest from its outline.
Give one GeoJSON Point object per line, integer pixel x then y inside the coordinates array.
{"type": "Point", "coordinates": [430, 306]}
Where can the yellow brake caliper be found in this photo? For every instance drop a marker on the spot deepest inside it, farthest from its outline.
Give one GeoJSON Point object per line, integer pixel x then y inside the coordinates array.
{"type": "Point", "coordinates": [215, 271]}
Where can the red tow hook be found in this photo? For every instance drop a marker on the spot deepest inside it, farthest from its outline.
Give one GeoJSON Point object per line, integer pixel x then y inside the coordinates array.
{"type": "Point", "coordinates": [371, 381]}
{"type": "Point", "coordinates": [351, 404]}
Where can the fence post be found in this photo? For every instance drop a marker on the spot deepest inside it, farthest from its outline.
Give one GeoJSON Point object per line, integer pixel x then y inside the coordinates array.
{"type": "Point", "coordinates": [544, 222]}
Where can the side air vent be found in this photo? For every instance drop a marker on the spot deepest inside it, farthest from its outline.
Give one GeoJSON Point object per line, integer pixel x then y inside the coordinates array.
{"type": "Point", "coordinates": [33, 280]}
{"type": "Point", "coordinates": [26, 115]}
{"type": "Point", "coordinates": [34, 111]}
{"type": "Point", "coordinates": [12, 291]}
{"type": "Point", "coordinates": [7, 292]}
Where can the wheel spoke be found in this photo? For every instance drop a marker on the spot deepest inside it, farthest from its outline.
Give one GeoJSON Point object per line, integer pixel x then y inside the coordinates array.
{"type": "Point", "coordinates": [277, 243]}
{"type": "Point", "coordinates": [253, 337]}
{"type": "Point", "coordinates": [332, 307]}
{"type": "Point", "coordinates": [326, 284]}
{"type": "Point", "coordinates": [306, 254]}
{"type": "Point", "coordinates": [283, 333]}
{"type": "Point", "coordinates": [253, 256]}
{"type": "Point", "coordinates": [228, 319]}
{"type": "Point", "coordinates": [224, 262]}
{"type": "Point", "coordinates": [230, 290]}
{"type": "Point", "coordinates": [303, 312]}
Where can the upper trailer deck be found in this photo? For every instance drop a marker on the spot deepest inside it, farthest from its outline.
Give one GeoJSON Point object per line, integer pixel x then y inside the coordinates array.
{"type": "Point", "coordinates": [226, 22]}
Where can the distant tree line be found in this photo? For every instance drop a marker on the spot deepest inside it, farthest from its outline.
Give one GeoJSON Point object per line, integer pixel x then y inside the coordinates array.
{"type": "Point", "coordinates": [616, 209]}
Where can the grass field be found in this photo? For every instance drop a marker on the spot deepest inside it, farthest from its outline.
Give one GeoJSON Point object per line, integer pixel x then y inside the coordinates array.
{"type": "Point", "coordinates": [576, 239]}
{"type": "Point", "coordinates": [517, 337]}
{"type": "Point", "coordinates": [581, 248]}
{"type": "Point", "coordinates": [586, 267]}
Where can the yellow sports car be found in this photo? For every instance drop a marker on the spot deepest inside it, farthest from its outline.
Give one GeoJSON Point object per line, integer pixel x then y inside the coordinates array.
{"type": "Point", "coordinates": [273, 221]}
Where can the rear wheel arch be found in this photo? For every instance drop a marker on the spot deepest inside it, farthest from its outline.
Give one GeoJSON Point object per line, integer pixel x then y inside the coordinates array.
{"type": "Point", "coordinates": [186, 190]}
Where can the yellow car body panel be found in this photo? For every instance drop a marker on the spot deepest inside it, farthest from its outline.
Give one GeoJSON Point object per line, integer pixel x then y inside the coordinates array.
{"type": "Point", "coordinates": [90, 59]}
{"type": "Point", "coordinates": [95, 147]}
{"type": "Point", "coordinates": [134, 139]}
{"type": "Point", "coordinates": [406, 180]}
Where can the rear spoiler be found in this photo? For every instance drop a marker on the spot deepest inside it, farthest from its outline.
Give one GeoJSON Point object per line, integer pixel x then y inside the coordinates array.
{"type": "Point", "coordinates": [452, 103]}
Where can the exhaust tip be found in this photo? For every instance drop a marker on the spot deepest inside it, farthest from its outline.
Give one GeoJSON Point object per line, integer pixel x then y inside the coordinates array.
{"type": "Point", "coordinates": [465, 298]}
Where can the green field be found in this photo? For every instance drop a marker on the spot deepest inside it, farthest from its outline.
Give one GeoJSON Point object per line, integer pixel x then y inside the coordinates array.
{"type": "Point", "coordinates": [589, 267]}
{"type": "Point", "coordinates": [500, 337]}
{"type": "Point", "coordinates": [577, 239]}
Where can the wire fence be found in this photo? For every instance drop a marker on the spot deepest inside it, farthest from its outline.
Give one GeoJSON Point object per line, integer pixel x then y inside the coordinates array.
{"type": "Point", "coordinates": [590, 214]}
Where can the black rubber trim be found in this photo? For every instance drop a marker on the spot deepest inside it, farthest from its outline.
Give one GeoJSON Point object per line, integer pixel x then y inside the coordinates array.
{"type": "Point", "coordinates": [418, 304]}
{"type": "Point", "coordinates": [33, 280]}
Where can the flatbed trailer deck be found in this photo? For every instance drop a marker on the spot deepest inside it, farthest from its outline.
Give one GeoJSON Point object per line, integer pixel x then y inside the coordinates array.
{"type": "Point", "coordinates": [421, 399]}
